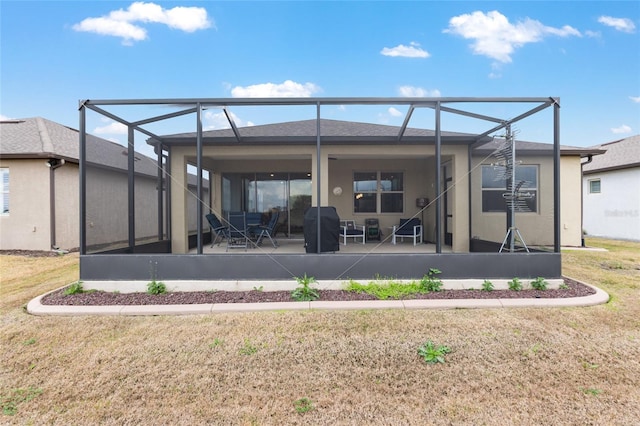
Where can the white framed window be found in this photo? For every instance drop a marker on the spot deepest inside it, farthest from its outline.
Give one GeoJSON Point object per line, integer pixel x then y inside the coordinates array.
{"type": "Point", "coordinates": [4, 173]}
{"type": "Point", "coordinates": [494, 188]}
{"type": "Point", "coordinates": [594, 186]}
{"type": "Point", "coordinates": [378, 192]}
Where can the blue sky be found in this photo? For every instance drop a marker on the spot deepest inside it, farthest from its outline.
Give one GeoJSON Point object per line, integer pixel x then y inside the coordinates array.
{"type": "Point", "coordinates": [55, 53]}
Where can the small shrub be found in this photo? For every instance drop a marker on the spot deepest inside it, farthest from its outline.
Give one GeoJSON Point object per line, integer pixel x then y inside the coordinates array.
{"type": "Point", "coordinates": [248, 348]}
{"type": "Point", "coordinates": [591, 391]}
{"type": "Point", "coordinates": [539, 284]}
{"type": "Point", "coordinates": [156, 287]}
{"type": "Point", "coordinates": [75, 288]}
{"type": "Point", "coordinates": [386, 290]}
{"type": "Point", "coordinates": [29, 342]}
{"type": "Point", "coordinates": [303, 405]}
{"type": "Point", "coordinates": [487, 285]}
{"type": "Point", "coordinates": [430, 282]}
{"type": "Point", "coordinates": [515, 284]}
{"type": "Point", "coordinates": [305, 293]}
{"type": "Point", "coordinates": [216, 342]}
{"type": "Point", "coordinates": [432, 353]}
{"type": "Point", "coordinates": [563, 286]}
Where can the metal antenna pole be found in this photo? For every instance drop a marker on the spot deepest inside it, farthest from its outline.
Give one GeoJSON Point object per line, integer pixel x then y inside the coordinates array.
{"type": "Point", "coordinates": [513, 230]}
{"type": "Point", "coordinates": [512, 209]}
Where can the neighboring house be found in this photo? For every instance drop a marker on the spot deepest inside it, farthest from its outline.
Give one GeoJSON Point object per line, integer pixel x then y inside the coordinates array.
{"type": "Point", "coordinates": [366, 171]}
{"type": "Point", "coordinates": [611, 191]}
{"type": "Point", "coordinates": [39, 164]}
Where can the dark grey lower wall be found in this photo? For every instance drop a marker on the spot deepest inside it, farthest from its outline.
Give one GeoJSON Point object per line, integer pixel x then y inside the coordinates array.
{"type": "Point", "coordinates": [326, 266]}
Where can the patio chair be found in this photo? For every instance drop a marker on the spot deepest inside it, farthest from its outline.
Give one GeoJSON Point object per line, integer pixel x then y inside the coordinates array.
{"type": "Point", "coordinates": [408, 228]}
{"type": "Point", "coordinates": [349, 229]}
{"type": "Point", "coordinates": [268, 229]}
{"type": "Point", "coordinates": [254, 222]}
{"type": "Point", "coordinates": [237, 237]}
{"type": "Point", "coordinates": [218, 230]}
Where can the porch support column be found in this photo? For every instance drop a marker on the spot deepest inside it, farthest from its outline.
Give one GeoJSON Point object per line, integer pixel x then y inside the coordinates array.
{"type": "Point", "coordinates": [167, 170]}
{"type": "Point", "coordinates": [438, 182]}
{"type": "Point", "coordinates": [458, 192]}
{"type": "Point", "coordinates": [199, 176]}
{"type": "Point", "coordinates": [83, 179]}
{"type": "Point", "coordinates": [160, 185]}
{"type": "Point", "coordinates": [556, 175]}
{"type": "Point", "coordinates": [320, 174]}
{"type": "Point", "coordinates": [131, 193]}
{"type": "Point", "coordinates": [178, 183]}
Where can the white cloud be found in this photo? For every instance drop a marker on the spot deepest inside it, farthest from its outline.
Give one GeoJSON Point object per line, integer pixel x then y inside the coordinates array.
{"type": "Point", "coordinates": [394, 112]}
{"type": "Point", "coordinates": [418, 92]}
{"type": "Point", "coordinates": [494, 36]}
{"type": "Point", "coordinates": [635, 99]}
{"type": "Point", "coordinates": [412, 51]}
{"type": "Point", "coordinates": [5, 118]}
{"type": "Point", "coordinates": [593, 34]}
{"type": "Point", "coordinates": [621, 24]}
{"type": "Point", "coordinates": [288, 89]}
{"type": "Point", "coordinates": [113, 128]}
{"type": "Point", "coordinates": [622, 129]}
{"type": "Point", "coordinates": [218, 120]}
{"type": "Point", "coordinates": [120, 23]}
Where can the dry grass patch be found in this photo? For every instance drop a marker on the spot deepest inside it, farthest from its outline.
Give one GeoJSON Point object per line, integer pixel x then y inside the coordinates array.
{"type": "Point", "coordinates": [506, 366]}
{"type": "Point", "coordinates": [24, 278]}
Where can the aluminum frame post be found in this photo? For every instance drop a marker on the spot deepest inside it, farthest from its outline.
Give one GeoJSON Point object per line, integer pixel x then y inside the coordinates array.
{"type": "Point", "coordinates": [199, 175]}
{"type": "Point", "coordinates": [318, 174]}
{"type": "Point", "coordinates": [556, 175]}
{"type": "Point", "coordinates": [131, 205]}
{"type": "Point", "coordinates": [83, 179]}
{"type": "Point", "coordinates": [438, 181]}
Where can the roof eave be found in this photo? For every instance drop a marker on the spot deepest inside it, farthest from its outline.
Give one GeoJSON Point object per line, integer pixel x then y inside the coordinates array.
{"type": "Point", "coordinates": [612, 168]}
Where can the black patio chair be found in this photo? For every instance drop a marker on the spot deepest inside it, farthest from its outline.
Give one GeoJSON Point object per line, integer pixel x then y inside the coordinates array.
{"type": "Point", "coordinates": [268, 229]}
{"type": "Point", "coordinates": [218, 230]}
{"type": "Point", "coordinates": [238, 237]}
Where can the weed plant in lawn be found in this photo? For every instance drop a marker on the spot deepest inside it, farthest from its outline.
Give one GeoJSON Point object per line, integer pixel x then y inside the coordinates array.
{"type": "Point", "coordinates": [508, 366]}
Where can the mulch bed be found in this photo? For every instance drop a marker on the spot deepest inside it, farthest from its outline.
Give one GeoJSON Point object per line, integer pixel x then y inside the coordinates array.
{"type": "Point", "coordinates": [33, 253]}
{"type": "Point", "coordinates": [101, 298]}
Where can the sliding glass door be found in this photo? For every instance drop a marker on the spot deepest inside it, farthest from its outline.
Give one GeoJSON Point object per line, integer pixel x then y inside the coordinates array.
{"type": "Point", "coordinates": [289, 193]}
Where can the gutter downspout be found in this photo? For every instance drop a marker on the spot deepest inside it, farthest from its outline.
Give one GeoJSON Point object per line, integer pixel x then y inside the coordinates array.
{"type": "Point", "coordinates": [589, 159]}
{"type": "Point", "coordinates": [53, 164]}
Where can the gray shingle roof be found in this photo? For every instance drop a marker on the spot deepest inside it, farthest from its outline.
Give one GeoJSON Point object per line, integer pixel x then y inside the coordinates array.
{"type": "Point", "coordinates": [532, 148]}
{"type": "Point", "coordinates": [305, 130]}
{"type": "Point", "coordinates": [38, 137]}
{"type": "Point", "coordinates": [621, 154]}
{"type": "Point", "coordinates": [355, 132]}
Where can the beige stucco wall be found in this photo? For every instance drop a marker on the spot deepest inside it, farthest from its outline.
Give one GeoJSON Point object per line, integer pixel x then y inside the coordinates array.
{"type": "Point", "coordinates": [26, 227]}
{"type": "Point", "coordinates": [535, 228]}
{"type": "Point", "coordinates": [570, 201]}
{"type": "Point", "coordinates": [67, 202]}
{"type": "Point", "coordinates": [107, 207]}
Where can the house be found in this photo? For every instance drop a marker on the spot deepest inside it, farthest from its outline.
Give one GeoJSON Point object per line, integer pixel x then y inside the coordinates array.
{"type": "Point", "coordinates": [39, 163]}
{"type": "Point", "coordinates": [489, 206]}
{"type": "Point", "coordinates": [611, 191]}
